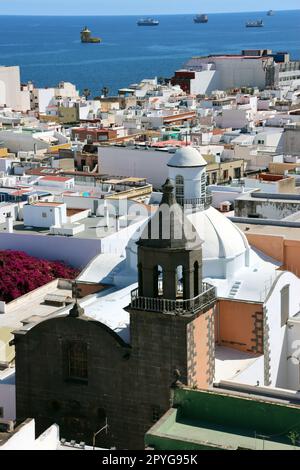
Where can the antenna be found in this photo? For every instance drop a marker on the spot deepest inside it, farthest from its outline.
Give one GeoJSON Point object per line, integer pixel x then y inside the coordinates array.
{"type": "Point", "coordinates": [75, 291]}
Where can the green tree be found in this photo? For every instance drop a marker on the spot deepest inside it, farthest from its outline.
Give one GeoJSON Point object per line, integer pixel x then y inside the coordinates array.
{"type": "Point", "coordinates": [105, 91]}
{"type": "Point", "coordinates": [86, 93]}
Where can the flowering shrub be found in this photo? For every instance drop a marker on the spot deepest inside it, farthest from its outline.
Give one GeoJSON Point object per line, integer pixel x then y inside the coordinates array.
{"type": "Point", "coordinates": [21, 273]}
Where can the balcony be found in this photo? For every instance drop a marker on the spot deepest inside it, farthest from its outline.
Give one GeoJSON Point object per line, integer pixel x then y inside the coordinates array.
{"type": "Point", "coordinates": [178, 306]}
{"type": "Point", "coordinates": [199, 203]}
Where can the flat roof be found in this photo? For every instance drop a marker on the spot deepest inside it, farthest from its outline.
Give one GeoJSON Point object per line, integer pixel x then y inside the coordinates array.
{"type": "Point", "coordinates": [289, 233]}
{"type": "Point", "coordinates": [47, 204]}
{"type": "Point", "coordinates": [56, 178]}
{"type": "Point", "coordinates": [231, 362]}
{"type": "Point", "coordinates": [33, 302]}
{"type": "Point", "coordinates": [203, 433]}
{"type": "Point", "coordinates": [95, 228]}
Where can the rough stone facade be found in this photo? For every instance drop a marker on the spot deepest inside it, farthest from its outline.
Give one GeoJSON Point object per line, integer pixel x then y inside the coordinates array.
{"type": "Point", "coordinates": [127, 384]}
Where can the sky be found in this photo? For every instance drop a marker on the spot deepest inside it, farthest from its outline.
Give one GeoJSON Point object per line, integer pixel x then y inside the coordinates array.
{"type": "Point", "coordinates": [137, 7]}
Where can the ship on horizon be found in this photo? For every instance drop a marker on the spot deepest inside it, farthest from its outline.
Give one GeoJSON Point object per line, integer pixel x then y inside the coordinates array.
{"type": "Point", "coordinates": [147, 22]}
{"type": "Point", "coordinates": [86, 37]}
{"type": "Point", "coordinates": [255, 24]}
{"type": "Point", "coordinates": [271, 13]}
{"type": "Point", "coordinates": [201, 19]}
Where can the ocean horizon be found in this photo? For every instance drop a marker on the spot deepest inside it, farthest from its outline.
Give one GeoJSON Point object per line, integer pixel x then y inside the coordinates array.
{"type": "Point", "coordinates": [48, 48]}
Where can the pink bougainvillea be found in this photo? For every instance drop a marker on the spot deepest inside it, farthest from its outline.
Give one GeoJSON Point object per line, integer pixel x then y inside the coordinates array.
{"type": "Point", "coordinates": [21, 273]}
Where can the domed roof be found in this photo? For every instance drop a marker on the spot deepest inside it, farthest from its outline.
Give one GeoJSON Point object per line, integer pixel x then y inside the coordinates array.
{"type": "Point", "coordinates": [169, 228]}
{"type": "Point", "coordinates": [187, 157]}
{"type": "Point", "coordinates": [222, 240]}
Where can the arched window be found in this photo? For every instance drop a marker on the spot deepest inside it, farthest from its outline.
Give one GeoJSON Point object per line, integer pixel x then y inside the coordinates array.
{"type": "Point", "coordinates": [203, 184]}
{"type": "Point", "coordinates": [179, 281]}
{"type": "Point", "coordinates": [196, 279]}
{"type": "Point", "coordinates": [158, 284]}
{"type": "Point", "coordinates": [179, 189]}
{"type": "Point", "coordinates": [140, 279]}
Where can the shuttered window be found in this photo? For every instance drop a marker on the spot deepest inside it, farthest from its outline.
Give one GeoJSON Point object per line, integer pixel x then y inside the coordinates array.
{"type": "Point", "coordinates": [285, 304]}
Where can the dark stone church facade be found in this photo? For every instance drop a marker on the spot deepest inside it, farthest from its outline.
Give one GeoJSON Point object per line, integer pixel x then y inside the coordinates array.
{"type": "Point", "coordinates": [76, 372]}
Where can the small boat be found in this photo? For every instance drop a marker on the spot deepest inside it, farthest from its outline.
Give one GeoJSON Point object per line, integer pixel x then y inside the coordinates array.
{"type": "Point", "coordinates": [147, 22]}
{"type": "Point", "coordinates": [201, 19]}
{"type": "Point", "coordinates": [255, 24]}
{"type": "Point", "coordinates": [86, 36]}
{"type": "Point", "coordinates": [271, 13]}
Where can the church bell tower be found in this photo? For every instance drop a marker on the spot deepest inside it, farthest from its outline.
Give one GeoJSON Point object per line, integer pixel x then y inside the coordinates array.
{"type": "Point", "coordinates": [172, 310]}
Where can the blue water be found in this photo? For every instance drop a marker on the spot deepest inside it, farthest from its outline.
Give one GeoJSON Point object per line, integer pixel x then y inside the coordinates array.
{"type": "Point", "coordinates": [48, 49]}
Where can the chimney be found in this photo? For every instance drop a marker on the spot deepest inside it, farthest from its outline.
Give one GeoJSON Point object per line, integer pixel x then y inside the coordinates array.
{"type": "Point", "coordinates": [117, 223]}
{"type": "Point", "coordinates": [106, 214]}
{"type": "Point", "coordinates": [9, 223]}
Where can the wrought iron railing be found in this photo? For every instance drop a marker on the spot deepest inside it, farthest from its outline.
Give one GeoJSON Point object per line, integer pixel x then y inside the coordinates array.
{"type": "Point", "coordinates": [199, 201]}
{"type": "Point", "coordinates": [181, 306]}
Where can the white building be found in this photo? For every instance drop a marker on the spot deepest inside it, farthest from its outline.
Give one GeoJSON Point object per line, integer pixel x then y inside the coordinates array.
{"type": "Point", "coordinates": [63, 182]}
{"type": "Point", "coordinates": [145, 162]}
{"type": "Point", "coordinates": [45, 214]}
{"type": "Point", "coordinates": [187, 171]}
{"type": "Point", "coordinates": [7, 392]}
{"type": "Point", "coordinates": [10, 90]}
{"type": "Point", "coordinates": [204, 75]}
{"type": "Point", "coordinates": [34, 140]}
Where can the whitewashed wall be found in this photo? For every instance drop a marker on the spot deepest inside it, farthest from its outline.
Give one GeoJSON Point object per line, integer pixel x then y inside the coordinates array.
{"type": "Point", "coordinates": [277, 333]}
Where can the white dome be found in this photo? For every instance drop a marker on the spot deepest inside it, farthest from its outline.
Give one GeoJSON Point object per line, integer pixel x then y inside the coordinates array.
{"type": "Point", "coordinates": [187, 157]}
{"type": "Point", "coordinates": [222, 239]}
{"type": "Point", "coordinates": [225, 248]}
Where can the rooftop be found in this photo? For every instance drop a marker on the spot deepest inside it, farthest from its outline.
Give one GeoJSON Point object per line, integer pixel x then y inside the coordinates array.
{"type": "Point", "coordinates": [289, 233]}
{"type": "Point", "coordinates": [94, 227]}
{"type": "Point", "coordinates": [32, 303]}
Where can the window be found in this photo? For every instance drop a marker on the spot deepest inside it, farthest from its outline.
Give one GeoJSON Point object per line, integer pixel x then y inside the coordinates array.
{"type": "Point", "coordinates": [285, 304]}
{"type": "Point", "coordinates": [179, 281]}
{"type": "Point", "coordinates": [77, 360]}
{"type": "Point", "coordinates": [140, 279]}
{"type": "Point", "coordinates": [203, 184]}
{"type": "Point", "coordinates": [44, 214]}
{"type": "Point", "coordinates": [1, 412]}
{"type": "Point", "coordinates": [196, 278]}
{"type": "Point", "coordinates": [179, 189]}
{"type": "Point", "coordinates": [158, 281]}
{"type": "Point", "coordinates": [237, 172]}
{"type": "Point", "coordinates": [156, 413]}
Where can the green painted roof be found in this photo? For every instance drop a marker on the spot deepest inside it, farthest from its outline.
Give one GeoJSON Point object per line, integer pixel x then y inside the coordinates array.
{"type": "Point", "coordinates": [213, 420]}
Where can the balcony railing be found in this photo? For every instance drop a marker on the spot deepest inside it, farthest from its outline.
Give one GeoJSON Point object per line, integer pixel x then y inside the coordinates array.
{"type": "Point", "coordinates": [180, 306]}
{"type": "Point", "coordinates": [203, 202]}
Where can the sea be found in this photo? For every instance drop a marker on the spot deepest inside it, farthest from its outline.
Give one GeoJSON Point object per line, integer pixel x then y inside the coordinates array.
{"type": "Point", "coordinates": [48, 49]}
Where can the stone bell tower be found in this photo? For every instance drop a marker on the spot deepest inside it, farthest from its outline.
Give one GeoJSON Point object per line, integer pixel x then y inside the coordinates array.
{"type": "Point", "coordinates": [172, 310]}
{"type": "Point", "coordinates": [170, 254]}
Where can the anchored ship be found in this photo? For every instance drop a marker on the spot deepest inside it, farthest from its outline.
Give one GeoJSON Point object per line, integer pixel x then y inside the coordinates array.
{"type": "Point", "coordinates": [255, 24]}
{"type": "Point", "coordinates": [147, 22]}
{"type": "Point", "coordinates": [201, 19]}
{"type": "Point", "coordinates": [86, 36]}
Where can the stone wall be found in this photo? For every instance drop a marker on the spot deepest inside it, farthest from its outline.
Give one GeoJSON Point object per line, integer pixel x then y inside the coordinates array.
{"type": "Point", "coordinates": [127, 384]}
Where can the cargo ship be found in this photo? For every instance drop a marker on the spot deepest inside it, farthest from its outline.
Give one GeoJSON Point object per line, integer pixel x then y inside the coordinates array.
{"type": "Point", "coordinates": [201, 19]}
{"type": "Point", "coordinates": [271, 13]}
{"type": "Point", "coordinates": [255, 24]}
{"type": "Point", "coordinates": [86, 36]}
{"type": "Point", "coordinates": [147, 22]}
